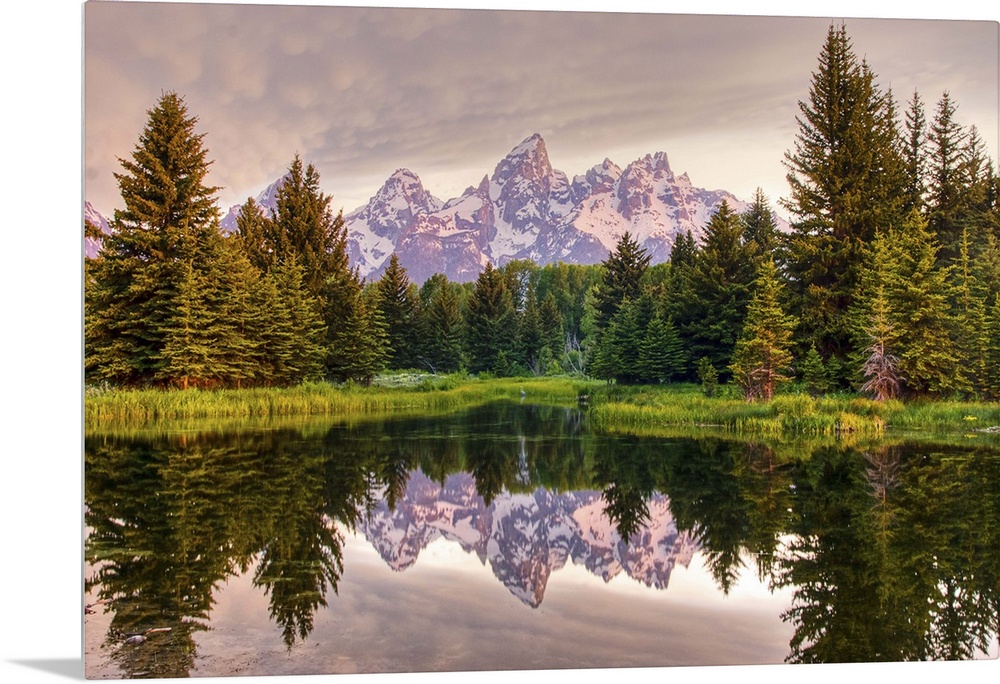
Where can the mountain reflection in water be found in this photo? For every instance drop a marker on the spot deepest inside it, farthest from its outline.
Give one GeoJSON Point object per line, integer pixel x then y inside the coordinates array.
{"type": "Point", "coordinates": [880, 551]}
{"type": "Point", "coordinates": [525, 537]}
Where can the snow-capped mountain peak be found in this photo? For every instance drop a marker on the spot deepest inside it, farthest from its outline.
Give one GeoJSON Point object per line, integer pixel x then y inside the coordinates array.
{"type": "Point", "coordinates": [524, 209]}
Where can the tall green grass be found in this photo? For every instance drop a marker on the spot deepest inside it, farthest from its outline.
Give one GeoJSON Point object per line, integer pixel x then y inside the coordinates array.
{"type": "Point", "coordinates": [645, 408]}
{"type": "Point", "coordinates": [434, 393]}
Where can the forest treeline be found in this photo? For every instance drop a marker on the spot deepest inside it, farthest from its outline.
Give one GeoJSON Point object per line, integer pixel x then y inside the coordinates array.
{"type": "Point", "coordinates": [888, 282]}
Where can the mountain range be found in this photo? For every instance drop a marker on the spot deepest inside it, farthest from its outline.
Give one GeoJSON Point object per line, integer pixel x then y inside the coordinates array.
{"type": "Point", "coordinates": [524, 209]}
{"type": "Point", "coordinates": [525, 537]}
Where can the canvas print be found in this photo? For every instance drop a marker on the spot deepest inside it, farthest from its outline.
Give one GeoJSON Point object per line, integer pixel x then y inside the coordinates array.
{"type": "Point", "coordinates": [464, 340]}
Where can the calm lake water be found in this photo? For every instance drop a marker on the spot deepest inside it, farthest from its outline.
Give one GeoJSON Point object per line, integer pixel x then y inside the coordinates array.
{"type": "Point", "coordinates": [513, 537]}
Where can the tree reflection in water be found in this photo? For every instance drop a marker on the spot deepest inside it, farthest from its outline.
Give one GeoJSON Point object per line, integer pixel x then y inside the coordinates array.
{"type": "Point", "coordinates": [891, 551]}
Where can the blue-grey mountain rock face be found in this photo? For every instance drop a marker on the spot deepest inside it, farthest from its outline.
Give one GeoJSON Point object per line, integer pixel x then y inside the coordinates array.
{"type": "Point", "coordinates": [525, 209]}
{"type": "Point", "coordinates": [524, 538]}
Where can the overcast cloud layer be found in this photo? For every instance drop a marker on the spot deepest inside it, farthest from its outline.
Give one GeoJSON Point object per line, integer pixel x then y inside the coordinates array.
{"type": "Point", "coordinates": [361, 92]}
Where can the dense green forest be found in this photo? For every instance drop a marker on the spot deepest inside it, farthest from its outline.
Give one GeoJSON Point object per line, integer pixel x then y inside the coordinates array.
{"type": "Point", "coordinates": [888, 282]}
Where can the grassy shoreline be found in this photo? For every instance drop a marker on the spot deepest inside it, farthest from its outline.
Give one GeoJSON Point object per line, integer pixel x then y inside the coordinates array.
{"type": "Point", "coordinates": [794, 413]}
{"type": "Point", "coordinates": [611, 408]}
{"type": "Point", "coordinates": [428, 393]}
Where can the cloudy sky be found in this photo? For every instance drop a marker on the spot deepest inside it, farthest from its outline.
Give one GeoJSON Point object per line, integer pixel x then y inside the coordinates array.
{"type": "Point", "coordinates": [447, 93]}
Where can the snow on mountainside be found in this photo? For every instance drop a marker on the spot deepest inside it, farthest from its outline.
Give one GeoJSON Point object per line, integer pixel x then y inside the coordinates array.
{"type": "Point", "coordinates": [266, 200]}
{"type": "Point", "coordinates": [374, 230]}
{"type": "Point", "coordinates": [90, 245]}
{"type": "Point", "coordinates": [525, 209]}
{"type": "Point", "coordinates": [524, 538]}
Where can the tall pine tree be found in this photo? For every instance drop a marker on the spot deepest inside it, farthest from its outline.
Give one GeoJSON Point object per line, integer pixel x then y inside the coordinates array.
{"type": "Point", "coordinates": [142, 292]}
{"type": "Point", "coordinates": [490, 322]}
{"type": "Point", "coordinates": [847, 177]}
{"type": "Point", "coordinates": [398, 304]}
{"type": "Point", "coordinates": [717, 290]}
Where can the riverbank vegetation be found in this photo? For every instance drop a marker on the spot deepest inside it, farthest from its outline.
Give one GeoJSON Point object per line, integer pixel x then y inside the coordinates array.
{"type": "Point", "coordinates": [613, 409]}
{"type": "Point", "coordinates": [883, 297]}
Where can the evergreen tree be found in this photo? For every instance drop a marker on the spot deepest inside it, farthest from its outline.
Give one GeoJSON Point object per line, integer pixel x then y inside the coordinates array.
{"type": "Point", "coordinates": [763, 357]}
{"type": "Point", "coordinates": [397, 304]}
{"type": "Point", "coordinates": [813, 373]}
{"type": "Point", "coordinates": [490, 321]}
{"type": "Point", "coordinates": [661, 353]}
{"type": "Point", "coordinates": [621, 279]}
{"type": "Point", "coordinates": [915, 154]}
{"type": "Point", "coordinates": [143, 284]}
{"type": "Point", "coordinates": [760, 228]}
{"type": "Point", "coordinates": [918, 296]}
{"type": "Point", "coordinates": [876, 335]}
{"type": "Point", "coordinates": [946, 200]}
{"type": "Point", "coordinates": [683, 250]}
{"type": "Point", "coordinates": [187, 354]}
{"type": "Point", "coordinates": [992, 369]}
{"type": "Point", "coordinates": [618, 352]}
{"type": "Point", "coordinates": [847, 177]}
{"type": "Point", "coordinates": [968, 305]}
{"type": "Point", "coordinates": [717, 289]}
{"type": "Point", "coordinates": [303, 334]}
{"type": "Point", "coordinates": [708, 376]}
{"type": "Point", "coordinates": [255, 235]}
{"type": "Point", "coordinates": [205, 340]}
{"type": "Point", "coordinates": [444, 348]}
{"type": "Point", "coordinates": [553, 332]}
{"type": "Point", "coordinates": [357, 345]}
{"type": "Point", "coordinates": [306, 229]}
{"type": "Point", "coordinates": [531, 335]}
{"type": "Point", "coordinates": [880, 370]}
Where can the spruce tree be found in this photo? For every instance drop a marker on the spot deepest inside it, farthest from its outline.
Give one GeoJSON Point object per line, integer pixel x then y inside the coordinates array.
{"type": "Point", "coordinates": [915, 154]}
{"type": "Point", "coordinates": [762, 357]}
{"type": "Point", "coordinates": [880, 368]}
{"type": "Point", "coordinates": [255, 235]}
{"type": "Point", "coordinates": [946, 189]}
{"type": "Point", "coordinates": [919, 294]}
{"type": "Point", "coordinates": [813, 373]}
{"type": "Point", "coordinates": [397, 304]}
{"type": "Point", "coordinates": [553, 332]}
{"type": "Point", "coordinates": [661, 353]}
{"type": "Point", "coordinates": [490, 321]}
{"type": "Point", "coordinates": [357, 345]}
{"type": "Point", "coordinates": [187, 353]}
{"type": "Point", "coordinates": [142, 284]}
{"type": "Point", "coordinates": [717, 289]}
{"type": "Point", "coordinates": [205, 340]}
{"type": "Point", "coordinates": [846, 177]}
{"type": "Point", "coordinates": [531, 335]}
{"type": "Point", "coordinates": [760, 228]}
{"type": "Point", "coordinates": [445, 346]}
{"type": "Point", "coordinates": [992, 369]}
{"type": "Point", "coordinates": [621, 279]}
{"type": "Point", "coordinates": [305, 227]}
{"type": "Point", "coordinates": [304, 332]}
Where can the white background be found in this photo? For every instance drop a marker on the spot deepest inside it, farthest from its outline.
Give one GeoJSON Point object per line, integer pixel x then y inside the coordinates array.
{"type": "Point", "coordinates": [40, 334]}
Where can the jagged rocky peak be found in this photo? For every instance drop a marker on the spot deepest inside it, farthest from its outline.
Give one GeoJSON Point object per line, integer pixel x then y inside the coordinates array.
{"type": "Point", "coordinates": [404, 188]}
{"type": "Point", "coordinates": [598, 179]}
{"type": "Point", "coordinates": [642, 181]}
{"type": "Point", "coordinates": [391, 210]}
{"type": "Point", "coordinates": [528, 160]}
